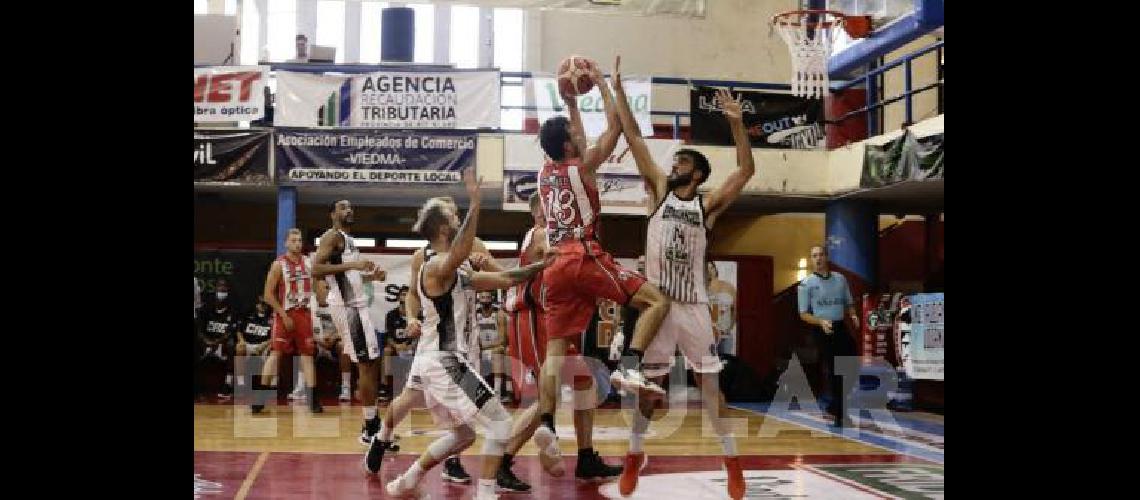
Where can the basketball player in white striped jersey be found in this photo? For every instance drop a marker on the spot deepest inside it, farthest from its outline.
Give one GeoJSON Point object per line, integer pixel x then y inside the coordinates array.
{"type": "Point", "coordinates": [675, 251]}
{"type": "Point", "coordinates": [338, 261]}
{"type": "Point", "coordinates": [481, 260]}
{"type": "Point", "coordinates": [444, 375]}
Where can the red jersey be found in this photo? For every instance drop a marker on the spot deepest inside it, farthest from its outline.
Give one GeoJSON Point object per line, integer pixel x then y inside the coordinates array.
{"type": "Point", "coordinates": [571, 205]}
{"type": "Point", "coordinates": [296, 285]}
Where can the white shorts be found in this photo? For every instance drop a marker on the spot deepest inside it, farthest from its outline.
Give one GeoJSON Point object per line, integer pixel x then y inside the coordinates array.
{"type": "Point", "coordinates": [361, 342]}
{"type": "Point", "coordinates": [688, 326]}
{"type": "Point", "coordinates": [453, 390]}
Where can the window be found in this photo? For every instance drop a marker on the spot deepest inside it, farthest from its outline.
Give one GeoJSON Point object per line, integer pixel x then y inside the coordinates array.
{"type": "Point", "coordinates": [282, 27]}
{"type": "Point", "coordinates": [370, 34]}
{"type": "Point", "coordinates": [330, 26]}
{"type": "Point", "coordinates": [464, 51]}
{"type": "Point", "coordinates": [509, 39]}
{"type": "Point", "coordinates": [250, 18]}
{"type": "Point", "coordinates": [199, 7]}
{"type": "Point", "coordinates": [425, 32]}
{"type": "Point", "coordinates": [231, 8]}
{"type": "Point", "coordinates": [509, 43]}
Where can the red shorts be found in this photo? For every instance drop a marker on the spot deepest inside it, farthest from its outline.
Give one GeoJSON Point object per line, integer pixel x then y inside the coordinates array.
{"type": "Point", "coordinates": [302, 334]}
{"type": "Point", "coordinates": [583, 273]}
{"type": "Point", "coordinates": [526, 332]}
{"type": "Point", "coordinates": [526, 340]}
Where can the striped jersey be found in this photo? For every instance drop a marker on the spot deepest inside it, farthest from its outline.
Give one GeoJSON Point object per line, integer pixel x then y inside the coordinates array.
{"type": "Point", "coordinates": [488, 327]}
{"type": "Point", "coordinates": [346, 288]}
{"type": "Point", "coordinates": [675, 249]}
{"type": "Point", "coordinates": [571, 205]}
{"type": "Point", "coordinates": [449, 319]}
{"type": "Point", "coordinates": [296, 286]}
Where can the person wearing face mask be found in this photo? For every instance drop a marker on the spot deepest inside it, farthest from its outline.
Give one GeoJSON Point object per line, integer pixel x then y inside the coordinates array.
{"type": "Point", "coordinates": [217, 331]}
{"type": "Point", "coordinates": [253, 338]}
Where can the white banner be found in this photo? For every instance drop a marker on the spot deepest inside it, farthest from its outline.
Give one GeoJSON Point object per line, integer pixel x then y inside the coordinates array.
{"type": "Point", "coordinates": [389, 99]}
{"type": "Point", "coordinates": [367, 175]}
{"type": "Point", "coordinates": [385, 295]}
{"type": "Point", "coordinates": [229, 93]}
{"type": "Point", "coordinates": [638, 90]}
{"type": "Point", "coordinates": [620, 186]}
{"type": "Point", "coordinates": [302, 98]}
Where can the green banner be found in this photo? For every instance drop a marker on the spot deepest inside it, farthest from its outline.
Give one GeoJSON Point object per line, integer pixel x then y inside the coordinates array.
{"type": "Point", "coordinates": [906, 158]}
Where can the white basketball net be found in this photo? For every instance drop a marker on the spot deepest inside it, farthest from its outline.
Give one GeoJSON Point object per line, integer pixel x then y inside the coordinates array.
{"type": "Point", "coordinates": [809, 53]}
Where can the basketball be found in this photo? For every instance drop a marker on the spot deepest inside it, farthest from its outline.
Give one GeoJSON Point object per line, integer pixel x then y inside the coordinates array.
{"type": "Point", "coordinates": [574, 76]}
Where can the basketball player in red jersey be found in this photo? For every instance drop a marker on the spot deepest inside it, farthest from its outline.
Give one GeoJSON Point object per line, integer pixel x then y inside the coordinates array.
{"type": "Point", "coordinates": [288, 291]}
{"type": "Point", "coordinates": [527, 339]}
{"type": "Point", "coordinates": [584, 271]}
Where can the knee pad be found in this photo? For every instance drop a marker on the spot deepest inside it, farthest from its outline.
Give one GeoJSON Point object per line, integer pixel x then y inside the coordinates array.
{"type": "Point", "coordinates": [494, 447]}
{"type": "Point", "coordinates": [498, 433]}
{"type": "Point", "coordinates": [451, 443]}
{"type": "Point", "coordinates": [497, 421]}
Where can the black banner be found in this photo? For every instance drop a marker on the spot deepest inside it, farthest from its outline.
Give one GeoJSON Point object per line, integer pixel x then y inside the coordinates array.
{"type": "Point", "coordinates": [780, 121]}
{"type": "Point", "coordinates": [905, 158]}
{"type": "Point", "coordinates": [231, 155]}
{"type": "Point", "coordinates": [372, 156]}
{"type": "Point", "coordinates": [245, 270]}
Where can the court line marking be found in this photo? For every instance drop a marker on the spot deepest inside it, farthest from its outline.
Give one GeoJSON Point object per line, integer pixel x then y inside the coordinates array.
{"type": "Point", "coordinates": [843, 480]}
{"type": "Point", "coordinates": [821, 428]}
{"type": "Point", "coordinates": [251, 476]}
{"type": "Point", "coordinates": [887, 427]}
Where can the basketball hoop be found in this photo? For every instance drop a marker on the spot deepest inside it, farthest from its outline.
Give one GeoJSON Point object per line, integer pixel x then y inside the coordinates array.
{"type": "Point", "coordinates": [809, 35]}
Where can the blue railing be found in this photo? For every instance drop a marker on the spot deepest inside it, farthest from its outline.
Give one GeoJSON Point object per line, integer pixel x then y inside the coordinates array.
{"type": "Point", "coordinates": [873, 102]}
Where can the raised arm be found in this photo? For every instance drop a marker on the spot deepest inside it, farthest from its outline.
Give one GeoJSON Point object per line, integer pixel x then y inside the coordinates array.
{"type": "Point", "coordinates": [465, 239]}
{"type": "Point", "coordinates": [593, 158]}
{"type": "Point", "coordinates": [577, 130]}
{"type": "Point", "coordinates": [717, 201]}
{"type": "Point", "coordinates": [654, 178]}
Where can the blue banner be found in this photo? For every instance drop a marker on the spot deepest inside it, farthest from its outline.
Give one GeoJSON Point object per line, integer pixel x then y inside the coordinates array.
{"type": "Point", "coordinates": [372, 156]}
